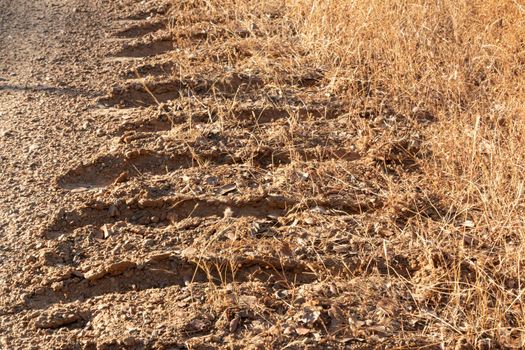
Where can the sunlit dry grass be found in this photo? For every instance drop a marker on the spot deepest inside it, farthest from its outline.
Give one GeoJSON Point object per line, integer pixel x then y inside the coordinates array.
{"type": "Point", "coordinates": [463, 62]}
{"type": "Point", "coordinates": [455, 70]}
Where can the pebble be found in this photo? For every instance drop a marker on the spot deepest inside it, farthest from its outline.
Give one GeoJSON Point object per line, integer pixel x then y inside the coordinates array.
{"type": "Point", "coordinates": [56, 321]}
{"type": "Point", "coordinates": [120, 267]}
{"type": "Point", "coordinates": [228, 212]}
{"type": "Point", "coordinates": [234, 324]}
{"type": "Point", "coordinates": [113, 211]}
{"type": "Point", "coordinates": [151, 203]}
{"type": "Point", "coordinates": [107, 231]}
{"type": "Point", "coordinates": [227, 189]}
{"type": "Point", "coordinates": [468, 224]}
{"type": "Point", "coordinates": [124, 176]}
{"type": "Point", "coordinates": [94, 275]}
{"type": "Point", "coordinates": [79, 189]}
{"type": "Point", "coordinates": [212, 180]}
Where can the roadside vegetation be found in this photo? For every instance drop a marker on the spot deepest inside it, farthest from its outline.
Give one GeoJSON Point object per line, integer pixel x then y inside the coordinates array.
{"type": "Point", "coordinates": [433, 95]}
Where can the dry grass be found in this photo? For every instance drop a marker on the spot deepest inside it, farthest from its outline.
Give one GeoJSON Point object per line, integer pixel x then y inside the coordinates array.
{"type": "Point", "coordinates": [463, 62]}
{"type": "Point", "coordinates": [439, 88]}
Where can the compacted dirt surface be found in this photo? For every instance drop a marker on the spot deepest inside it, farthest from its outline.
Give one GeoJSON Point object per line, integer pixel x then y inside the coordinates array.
{"type": "Point", "coordinates": [167, 183]}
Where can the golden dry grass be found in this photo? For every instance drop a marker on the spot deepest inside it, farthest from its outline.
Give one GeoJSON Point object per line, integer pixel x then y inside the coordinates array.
{"type": "Point", "coordinates": [454, 72]}
{"type": "Point", "coordinates": [463, 62]}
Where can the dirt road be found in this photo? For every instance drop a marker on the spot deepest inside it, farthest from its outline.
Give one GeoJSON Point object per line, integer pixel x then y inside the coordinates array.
{"type": "Point", "coordinates": [53, 67]}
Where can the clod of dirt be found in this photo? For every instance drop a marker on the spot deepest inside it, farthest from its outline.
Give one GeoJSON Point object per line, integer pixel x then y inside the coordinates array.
{"type": "Point", "coordinates": [57, 319]}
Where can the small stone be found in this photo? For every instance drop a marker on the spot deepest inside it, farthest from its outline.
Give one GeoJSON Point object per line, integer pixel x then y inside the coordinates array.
{"type": "Point", "coordinates": [79, 189]}
{"type": "Point", "coordinates": [151, 203]}
{"type": "Point", "coordinates": [227, 189]}
{"type": "Point", "coordinates": [288, 330]}
{"type": "Point", "coordinates": [113, 211]}
{"type": "Point", "coordinates": [120, 267]}
{"type": "Point", "coordinates": [107, 231]}
{"type": "Point", "coordinates": [56, 321]}
{"type": "Point", "coordinates": [273, 216]}
{"type": "Point", "coordinates": [212, 180]}
{"type": "Point", "coordinates": [302, 330]}
{"type": "Point", "coordinates": [309, 221]}
{"type": "Point", "coordinates": [308, 316]}
{"type": "Point", "coordinates": [123, 177]}
{"type": "Point", "coordinates": [234, 324]}
{"type": "Point", "coordinates": [318, 209]}
{"type": "Point", "coordinates": [228, 212]}
{"type": "Point", "coordinates": [468, 224]}
{"type": "Point", "coordinates": [189, 252]}
{"type": "Point", "coordinates": [303, 176]}
{"type": "Point", "coordinates": [94, 275]}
